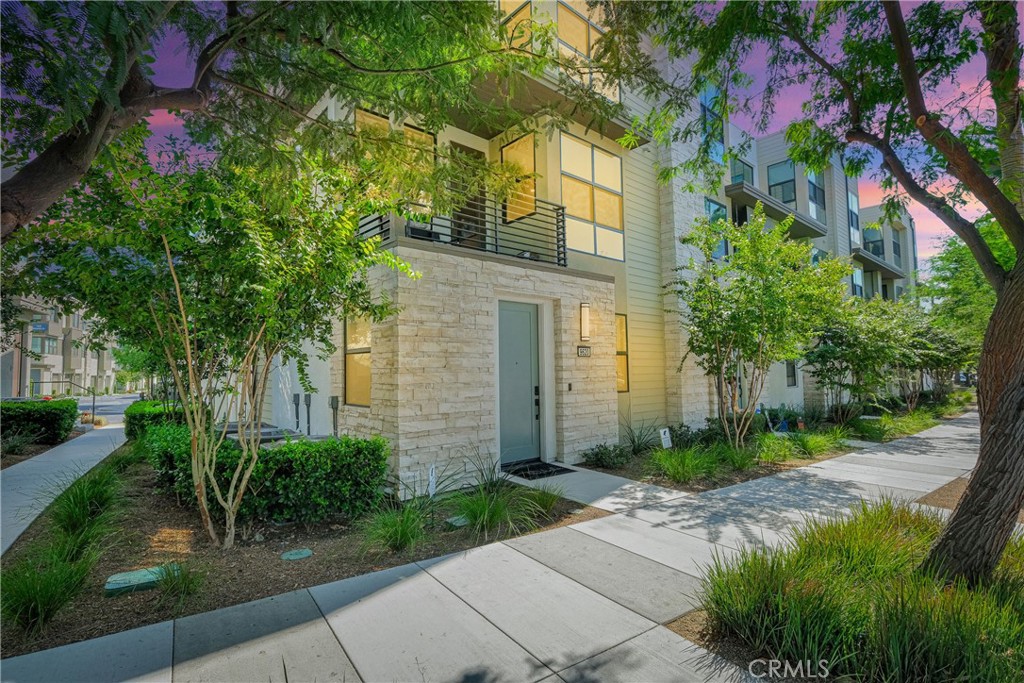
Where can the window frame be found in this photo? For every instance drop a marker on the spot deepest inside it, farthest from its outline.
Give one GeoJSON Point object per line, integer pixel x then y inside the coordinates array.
{"type": "Point", "coordinates": [511, 16]}
{"type": "Point", "coordinates": [791, 182]}
{"type": "Point", "coordinates": [712, 124]}
{"type": "Point", "coordinates": [592, 28]}
{"type": "Point", "coordinates": [723, 246]}
{"type": "Point", "coordinates": [813, 190]}
{"type": "Point", "coordinates": [353, 352]}
{"type": "Point", "coordinates": [746, 167]}
{"type": "Point", "coordinates": [853, 216]}
{"type": "Point", "coordinates": [794, 380]}
{"type": "Point", "coordinates": [533, 180]}
{"type": "Point", "coordinates": [594, 185]}
{"type": "Point", "coordinates": [858, 288]}
{"type": "Point", "coordinates": [625, 353]}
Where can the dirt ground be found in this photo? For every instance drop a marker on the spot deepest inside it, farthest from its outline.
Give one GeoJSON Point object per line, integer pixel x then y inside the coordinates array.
{"type": "Point", "coordinates": [949, 495]}
{"type": "Point", "coordinates": [153, 529]}
{"type": "Point", "coordinates": [32, 450]}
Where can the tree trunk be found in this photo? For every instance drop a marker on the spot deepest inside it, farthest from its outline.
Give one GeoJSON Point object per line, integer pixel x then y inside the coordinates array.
{"type": "Point", "coordinates": [977, 533]}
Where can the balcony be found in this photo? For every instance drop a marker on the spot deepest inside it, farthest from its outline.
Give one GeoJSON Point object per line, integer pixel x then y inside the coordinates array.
{"type": "Point", "coordinates": [872, 255]}
{"type": "Point", "coordinates": [803, 225]}
{"type": "Point", "coordinates": [876, 247]}
{"type": "Point", "coordinates": [536, 233]}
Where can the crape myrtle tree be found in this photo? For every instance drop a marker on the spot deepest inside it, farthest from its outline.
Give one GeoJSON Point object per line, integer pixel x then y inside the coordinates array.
{"type": "Point", "coordinates": [198, 265]}
{"type": "Point", "coordinates": [77, 76]}
{"type": "Point", "coordinates": [762, 304]}
{"type": "Point", "coordinates": [887, 88]}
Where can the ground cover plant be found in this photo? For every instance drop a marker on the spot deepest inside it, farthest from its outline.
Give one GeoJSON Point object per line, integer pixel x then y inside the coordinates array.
{"type": "Point", "coordinates": [846, 591]}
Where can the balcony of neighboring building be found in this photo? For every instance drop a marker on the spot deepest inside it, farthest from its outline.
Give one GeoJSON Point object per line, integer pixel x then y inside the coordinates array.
{"type": "Point", "coordinates": [877, 256]}
{"type": "Point", "coordinates": [743, 193]}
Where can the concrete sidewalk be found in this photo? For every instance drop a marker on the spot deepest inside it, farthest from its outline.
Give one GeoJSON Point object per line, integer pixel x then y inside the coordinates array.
{"type": "Point", "coordinates": [28, 487]}
{"type": "Point", "coordinates": [579, 603]}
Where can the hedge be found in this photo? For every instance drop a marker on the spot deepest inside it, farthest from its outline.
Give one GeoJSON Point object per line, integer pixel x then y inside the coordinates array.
{"type": "Point", "coordinates": [141, 414]}
{"type": "Point", "coordinates": [300, 481]}
{"type": "Point", "coordinates": [51, 421]}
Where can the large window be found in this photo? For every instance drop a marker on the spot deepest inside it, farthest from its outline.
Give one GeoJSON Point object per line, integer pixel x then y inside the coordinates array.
{"type": "Point", "coordinates": [516, 15]}
{"type": "Point", "coordinates": [579, 31]}
{"type": "Point", "coordinates": [621, 354]}
{"type": "Point", "coordinates": [791, 374]}
{"type": "Point", "coordinates": [853, 216]}
{"type": "Point", "coordinates": [44, 345]}
{"type": "Point", "coordinates": [357, 362]}
{"type": "Point", "coordinates": [816, 195]}
{"type": "Point", "coordinates": [523, 201]}
{"type": "Point", "coordinates": [712, 125]}
{"type": "Point", "coordinates": [858, 282]}
{"type": "Point", "coordinates": [897, 250]}
{"type": "Point", "coordinates": [592, 195]}
{"type": "Point", "coordinates": [782, 182]}
{"type": "Point", "coordinates": [716, 212]}
{"type": "Point", "coordinates": [741, 171]}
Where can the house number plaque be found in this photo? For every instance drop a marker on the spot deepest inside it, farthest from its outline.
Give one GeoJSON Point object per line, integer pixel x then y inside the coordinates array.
{"type": "Point", "coordinates": [583, 351]}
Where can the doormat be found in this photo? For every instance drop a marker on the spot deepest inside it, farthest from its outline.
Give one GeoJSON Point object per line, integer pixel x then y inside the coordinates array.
{"type": "Point", "coordinates": [534, 469]}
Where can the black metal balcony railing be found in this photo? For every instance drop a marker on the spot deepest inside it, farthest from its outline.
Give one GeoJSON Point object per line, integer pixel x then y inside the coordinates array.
{"type": "Point", "coordinates": [876, 247]}
{"type": "Point", "coordinates": [536, 232]}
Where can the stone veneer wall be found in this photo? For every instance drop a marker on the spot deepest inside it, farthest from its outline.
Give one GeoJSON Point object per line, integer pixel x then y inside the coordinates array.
{"type": "Point", "coordinates": [434, 393]}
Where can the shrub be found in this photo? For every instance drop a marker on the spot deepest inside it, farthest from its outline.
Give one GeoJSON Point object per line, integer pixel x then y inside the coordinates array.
{"type": "Point", "coordinates": [738, 459]}
{"type": "Point", "coordinates": [683, 465]}
{"type": "Point", "coordinates": [86, 502]}
{"type": "Point", "coordinates": [810, 444]}
{"type": "Point", "coordinates": [847, 591]}
{"type": "Point", "coordinates": [607, 456]}
{"type": "Point", "coordinates": [774, 448]}
{"type": "Point", "coordinates": [36, 587]}
{"type": "Point", "coordinates": [50, 421]}
{"type": "Point", "coordinates": [872, 430]}
{"type": "Point", "coordinates": [140, 415]}
{"type": "Point", "coordinates": [397, 527]}
{"type": "Point", "coordinates": [169, 449]}
{"type": "Point", "coordinates": [494, 502]}
{"type": "Point", "coordinates": [641, 438]}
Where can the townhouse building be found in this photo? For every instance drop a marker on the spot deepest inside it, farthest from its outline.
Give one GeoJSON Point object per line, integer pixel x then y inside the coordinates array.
{"type": "Point", "coordinates": [541, 324]}
{"type": "Point", "coordinates": [61, 359]}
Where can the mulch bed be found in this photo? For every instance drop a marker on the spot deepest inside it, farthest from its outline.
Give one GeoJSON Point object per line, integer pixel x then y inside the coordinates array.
{"type": "Point", "coordinates": [32, 450]}
{"type": "Point", "coordinates": [949, 495]}
{"type": "Point", "coordinates": [637, 470]}
{"type": "Point", "coordinates": [154, 529]}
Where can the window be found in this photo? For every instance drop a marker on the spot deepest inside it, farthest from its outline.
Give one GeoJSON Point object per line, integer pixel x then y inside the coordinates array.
{"type": "Point", "coordinates": [897, 250]}
{"type": "Point", "coordinates": [357, 362]}
{"type": "Point", "coordinates": [782, 182]}
{"type": "Point", "coordinates": [899, 293]}
{"type": "Point", "coordinates": [523, 201]}
{"type": "Point", "coordinates": [45, 345]}
{"type": "Point", "coordinates": [37, 344]}
{"type": "Point", "coordinates": [791, 376]}
{"type": "Point", "coordinates": [516, 17]}
{"type": "Point", "coordinates": [578, 33]}
{"type": "Point", "coordinates": [712, 126]}
{"type": "Point", "coordinates": [817, 255]}
{"type": "Point", "coordinates": [742, 172]}
{"type": "Point", "coordinates": [621, 354]}
{"type": "Point", "coordinates": [368, 121]}
{"type": "Point", "coordinates": [716, 212]}
{"type": "Point", "coordinates": [424, 141]}
{"type": "Point", "coordinates": [55, 315]}
{"type": "Point", "coordinates": [816, 195]}
{"type": "Point", "coordinates": [858, 282]}
{"type": "Point", "coordinates": [853, 216]}
{"type": "Point", "coordinates": [592, 195]}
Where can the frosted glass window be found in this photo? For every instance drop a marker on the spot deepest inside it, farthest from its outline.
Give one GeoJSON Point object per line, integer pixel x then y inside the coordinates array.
{"type": "Point", "coordinates": [578, 198]}
{"type": "Point", "coordinates": [608, 208]}
{"type": "Point", "coordinates": [524, 201]}
{"type": "Point", "coordinates": [576, 157]}
{"type": "Point", "coordinates": [607, 170]}
{"type": "Point", "coordinates": [579, 235]}
{"type": "Point", "coordinates": [609, 244]}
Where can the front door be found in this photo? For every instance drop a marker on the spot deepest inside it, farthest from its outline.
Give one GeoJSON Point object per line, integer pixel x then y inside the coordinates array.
{"type": "Point", "coordinates": [518, 382]}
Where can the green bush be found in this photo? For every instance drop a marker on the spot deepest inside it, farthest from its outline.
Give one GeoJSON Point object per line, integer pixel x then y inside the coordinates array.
{"type": "Point", "coordinates": [36, 587]}
{"type": "Point", "coordinates": [607, 456]}
{"type": "Point", "coordinates": [493, 502]}
{"type": "Point", "coordinates": [810, 444]}
{"type": "Point", "coordinates": [140, 415]}
{"type": "Point", "coordinates": [774, 448]}
{"type": "Point", "coordinates": [169, 450]}
{"type": "Point", "coordinates": [738, 459]}
{"type": "Point", "coordinates": [50, 421]}
{"type": "Point", "coordinates": [683, 465]}
{"type": "Point", "coordinates": [911, 423]}
{"type": "Point", "coordinates": [847, 591]}
{"type": "Point", "coordinates": [397, 527]}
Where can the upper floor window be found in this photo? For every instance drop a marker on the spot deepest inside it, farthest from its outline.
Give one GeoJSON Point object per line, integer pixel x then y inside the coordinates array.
{"type": "Point", "coordinates": [897, 249]}
{"type": "Point", "coordinates": [621, 354]}
{"type": "Point", "coordinates": [853, 216]}
{"type": "Point", "coordinates": [816, 195]}
{"type": "Point", "coordinates": [742, 172]}
{"type": "Point", "coordinates": [357, 362]}
{"type": "Point", "coordinates": [791, 373]}
{"type": "Point", "coordinates": [516, 16]}
{"type": "Point", "coordinates": [712, 125]}
{"type": "Point", "coordinates": [523, 201]}
{"type": "Point", "coordinates": [45, 345]}
{"type": "Point", "coordinates": [782, 182]}
{"type": "Point", "coordinates": [716, 212]}
{"type": "Point", "coordinates": [817, 255]}
{"type": "Point", "coordinates": [579, 31]}
{"type": "Point", "coordinates": [858, 282]}
{"type": "Point", "coordinates": [592, 195]}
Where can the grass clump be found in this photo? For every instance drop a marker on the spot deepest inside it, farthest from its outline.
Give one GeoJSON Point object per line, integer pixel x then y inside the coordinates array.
{"type": "Point", "coordinates": [683, 465]}
{"type": "Point", "coordinates": [493, 503]}
{"type": "Point", "coordinates": [641, 438]}
{"type": "Point", "coordinates": [396, 527]}
{"type": "Point", "coordinates": [15, 441]}
{"type": "Point", "coordinates": [36, 587]}
{"type": "Point", "coordinates": [911, 423]}
{"type": "Point", "coordinates": [847, 591]}
{"type": "Point", "coordinates": [87, 502]}
{"type": "Point", "coordinates": [810, 444]}
{"type": "Point", "coordinates": [177, 583]}
{"type": "Point", "coordinates": [773, 448]}
{"type": "Point", "coordinates": [545, 498]}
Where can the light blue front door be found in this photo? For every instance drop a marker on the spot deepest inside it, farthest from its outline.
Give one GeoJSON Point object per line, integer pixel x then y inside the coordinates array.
{"type": "Point", "coordinates": [518, 382]}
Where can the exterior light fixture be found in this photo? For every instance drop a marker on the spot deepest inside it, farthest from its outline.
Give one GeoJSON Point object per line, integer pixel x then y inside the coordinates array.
{"type": "Point", "coordinates": [585, 322]}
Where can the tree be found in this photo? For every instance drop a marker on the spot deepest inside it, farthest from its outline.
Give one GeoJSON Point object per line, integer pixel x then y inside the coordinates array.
{"type": "Point", "coordinates": [762, 304]}
{"type": "Point", "coordinates": [134, 363]}
{"type": "Point", "coordinates": [876, 93]}
{"type": "Point", "coordinates": [197, 266]}
{"type": "Point", "coordinates": [961, 298]}
{"type": "Point", "coordinates": [260, 71]}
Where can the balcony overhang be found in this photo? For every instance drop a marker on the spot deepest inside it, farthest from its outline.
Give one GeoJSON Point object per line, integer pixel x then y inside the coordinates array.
{"type": "Point", "coordinates": [874, 263]}
{"type": "Point", "coordinates": [803, 225]}
{"type": "Point", "coordinates": [529, 95]}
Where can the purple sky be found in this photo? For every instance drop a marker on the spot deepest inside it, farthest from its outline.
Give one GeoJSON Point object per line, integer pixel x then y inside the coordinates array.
{"type": "Point", "coordinates": [174, 67]}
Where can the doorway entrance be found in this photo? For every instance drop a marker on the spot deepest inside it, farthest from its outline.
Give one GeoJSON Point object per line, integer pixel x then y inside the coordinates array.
{"type": "Point", "coordinates": [519, 406]}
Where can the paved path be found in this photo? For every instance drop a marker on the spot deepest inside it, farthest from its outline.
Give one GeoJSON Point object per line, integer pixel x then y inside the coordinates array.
{"type": "Point", "coordinates": [28, 487]}
{"type": "Point", "coordinates": [581, 603]}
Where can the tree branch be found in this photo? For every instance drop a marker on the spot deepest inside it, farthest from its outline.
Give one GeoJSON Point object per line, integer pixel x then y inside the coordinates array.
{"type": "Point", "coordinates": [961, 163]}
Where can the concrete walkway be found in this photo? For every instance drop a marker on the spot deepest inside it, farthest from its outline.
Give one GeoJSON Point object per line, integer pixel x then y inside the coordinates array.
{"type": "Point", "coordinates": [28, 487]}
{"type": "Point", "coordinates": [581, 603]}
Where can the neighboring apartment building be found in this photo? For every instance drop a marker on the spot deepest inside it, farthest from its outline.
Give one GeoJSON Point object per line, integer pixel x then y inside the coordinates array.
{"type": "Point", "coordinates": [542, 324]}
{"type": "Point", "coordinates": [61, 361]}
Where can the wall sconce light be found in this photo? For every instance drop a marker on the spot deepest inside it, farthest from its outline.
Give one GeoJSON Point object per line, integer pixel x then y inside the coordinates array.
{"type": "Point", "coordinates": [585, 322]}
